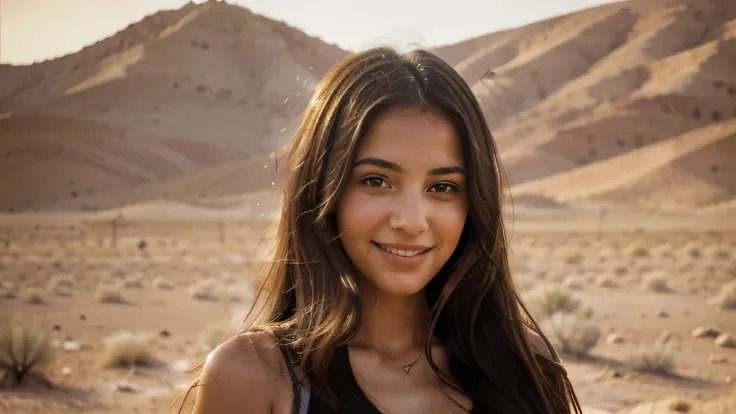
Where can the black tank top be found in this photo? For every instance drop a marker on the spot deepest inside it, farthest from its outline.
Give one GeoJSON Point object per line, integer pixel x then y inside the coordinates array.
{"type": "Point", "coordinates": [307, 401]}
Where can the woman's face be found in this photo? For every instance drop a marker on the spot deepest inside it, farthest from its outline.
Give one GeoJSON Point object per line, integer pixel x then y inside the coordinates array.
{"type": "Point", "coordinates": [405, 205]}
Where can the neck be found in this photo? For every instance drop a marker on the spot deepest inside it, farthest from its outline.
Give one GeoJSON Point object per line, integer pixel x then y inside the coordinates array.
{"type": "Point", "coordinates": [394, 325]}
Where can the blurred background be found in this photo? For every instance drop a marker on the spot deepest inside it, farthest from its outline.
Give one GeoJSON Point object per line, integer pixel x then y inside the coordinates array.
{"type": "Point", "coordinates": [140, 143]}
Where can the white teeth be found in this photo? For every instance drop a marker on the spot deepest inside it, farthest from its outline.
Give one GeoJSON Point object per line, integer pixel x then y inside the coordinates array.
{"type": "Point", "coordinates": [404, 253]}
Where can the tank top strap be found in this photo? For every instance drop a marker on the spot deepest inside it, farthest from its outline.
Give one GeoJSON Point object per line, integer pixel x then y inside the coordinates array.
{"type": "Point", "coordinates": [299, 382]}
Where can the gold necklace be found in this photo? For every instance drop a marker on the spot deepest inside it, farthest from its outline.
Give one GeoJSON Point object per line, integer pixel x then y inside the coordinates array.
{"type": "Point", "coordinates": [406, 368]}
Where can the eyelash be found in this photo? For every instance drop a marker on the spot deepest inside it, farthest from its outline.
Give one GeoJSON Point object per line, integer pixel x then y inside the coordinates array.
{"type": "Point", "coordinates": [452, 187]}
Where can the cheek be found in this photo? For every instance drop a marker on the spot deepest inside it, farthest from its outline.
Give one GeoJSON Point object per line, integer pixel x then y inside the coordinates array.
{"type": "Point", "coordinates": [450, 221]}
{"type": "Point", "coordinates": [357, 213]}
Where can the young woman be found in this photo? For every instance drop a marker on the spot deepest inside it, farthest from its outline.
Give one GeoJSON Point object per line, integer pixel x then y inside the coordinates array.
{"type": "Point", "coordinates": [389, 290]}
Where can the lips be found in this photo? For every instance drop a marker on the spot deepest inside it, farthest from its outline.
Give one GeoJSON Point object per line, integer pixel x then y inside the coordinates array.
{"type": "Point", "coordinates": [401, 252]}
{"type": "Point", "coordinates": [405, 257]}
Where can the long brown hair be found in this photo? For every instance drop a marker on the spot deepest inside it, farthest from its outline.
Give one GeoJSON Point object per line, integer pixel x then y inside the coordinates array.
{"type": "Point", "coordinates": [307, 294]}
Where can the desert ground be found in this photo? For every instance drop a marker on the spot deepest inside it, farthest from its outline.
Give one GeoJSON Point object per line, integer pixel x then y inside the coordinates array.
{"type": "Point", "coordinates": [167, 291]}
{"type": "Point", "coordinates": [140, 179]}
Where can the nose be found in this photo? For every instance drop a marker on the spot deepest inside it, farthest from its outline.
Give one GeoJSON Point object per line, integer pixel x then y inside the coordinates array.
{"type": "Point", "coordinates": [409, 213]}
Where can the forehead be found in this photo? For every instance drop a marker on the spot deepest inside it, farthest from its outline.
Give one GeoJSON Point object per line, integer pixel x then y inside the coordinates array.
{"type": "Point", "coordinates": [412, 135]}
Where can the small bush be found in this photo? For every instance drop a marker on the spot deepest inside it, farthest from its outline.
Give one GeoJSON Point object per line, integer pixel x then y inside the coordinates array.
{"type": "Point", "coordinates": [569, 334]}
{"type": "Point", "coordinates": [25, 353]}
{"type": "Point", "coordinates": [7, 290]}
{"type": "Point", "coordinates": [36, 296]}
{"type": "Point", "coordinates": [133, 281]}
{"type": "Point", "coordinates": [204, 290]}
{"type": "Point", "coordinates": [548, 300]}
{"type": "Point", "coordinates": [572, 255]}
{"type": "Point", "coordinates": [125, 348]}
{"type": "Point", "coordinates": [61, 285]}
{"type": "Point", "coordinates": [110, 294]}
{"type": "Point", "coordinates": [605, 281]}
{"type": "Point", "coordinates": [636, 250]}
{"type": "Point", "coordinates": [693, 250]}
{"type": "Point", "coordinates": [655, 359]}
{"type": "Point", "coordinates": [726, 297]}
{"type": "Point", "coordinates": [655, 282]}
{"type": "Point", "coordinates": [161, 283]}
{"type": "Point", "coordinates": [572, 282]}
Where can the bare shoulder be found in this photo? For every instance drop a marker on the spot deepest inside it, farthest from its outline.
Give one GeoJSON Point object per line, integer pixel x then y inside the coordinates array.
{"type": "Point", "coordinates": [243, 375]}
{"type": "Point", "coordinates": [540, 346]}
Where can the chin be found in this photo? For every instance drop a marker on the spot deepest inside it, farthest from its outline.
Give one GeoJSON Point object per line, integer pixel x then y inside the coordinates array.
{"type": "Point", "coordinates": [403, 284]}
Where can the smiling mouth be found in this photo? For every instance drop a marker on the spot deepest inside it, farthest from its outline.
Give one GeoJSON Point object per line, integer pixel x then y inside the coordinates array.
{"type": "Point", "coordinates": [401, 253]}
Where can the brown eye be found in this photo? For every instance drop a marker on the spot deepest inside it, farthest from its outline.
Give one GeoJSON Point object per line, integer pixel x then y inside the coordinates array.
{"type": "Point", "coordinates": [375, 182]}
{"type": "Point", "coordinates": [443, 188]}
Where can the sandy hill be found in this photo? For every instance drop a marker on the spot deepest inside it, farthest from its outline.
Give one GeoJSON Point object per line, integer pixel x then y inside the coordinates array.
{"type": "Point", "coordinates": [627, 104]}
{"type": "Point", "coordinates": [582, 89]}
{"type": "Point", "coordinates": [178, 92]}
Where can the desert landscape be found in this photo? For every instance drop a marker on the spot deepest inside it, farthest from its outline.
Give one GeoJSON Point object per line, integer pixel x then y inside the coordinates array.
{"type": "Point", "coordinates": [141, 184]}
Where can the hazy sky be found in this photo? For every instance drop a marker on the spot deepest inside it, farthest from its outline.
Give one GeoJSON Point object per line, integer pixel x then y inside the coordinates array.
{"type": "Point", "coordinates": [32, 30]}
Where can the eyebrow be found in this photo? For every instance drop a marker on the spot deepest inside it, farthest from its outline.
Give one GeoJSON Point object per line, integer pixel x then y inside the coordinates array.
{"type": "Point", "coordinates": [377, 162]}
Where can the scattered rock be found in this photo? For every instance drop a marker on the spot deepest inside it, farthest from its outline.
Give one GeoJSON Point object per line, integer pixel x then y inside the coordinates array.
{"type": "Point", "coordinates": [663, 314]}
{"type": "Point", "coordinates": [664, 337]}
{"type": "Point", "coordinates": [705, 332]}
{"type": "Point", "coordinates": [82, 317]}
{"type": "Point", "coordinates": [66, 371]}
{"type": "Point", "coordinates": [57, 327]}
{"type": "Point", "coordinates": [725, 340]}
{"type": "Point", "coordinates": [615, 338]}
{"type": "Point", "coordinates": [715, 359]}
{"type": "Point", "coordinates": [165, 333]}
{"type": "Point", "coordinates": [125, 387]}
{"type": "Point", "coordinates": [71, 346]}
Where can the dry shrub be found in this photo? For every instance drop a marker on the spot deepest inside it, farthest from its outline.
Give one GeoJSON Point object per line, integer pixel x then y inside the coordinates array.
{"type": "Point", "coordinates": [550, 299]}
{"type": "Point", "coordinates": [720, 253]}
{"type": "Point", "coordinates": [133, 281]}
{"type": "Point", "coordinates": [693, 250]}
{"type": "Point", "coordinates": [571, 255]}
{"type": "Point", "coordinates": [663, 250]}
{"type": "Point", "coordinates": [65, 281]}
{"type": "Point", "coordinates": [61, 285]}
{"type": "Point", "coordinates": [204, 290]}
{"type": "Point", "coordinates": [36, 296]}
{"type": "Point", "coordinates": [605, 281]}
{"type": "Point", "coordinates": [655, 282]}
{"type": "Point", "coordinates": [570, 334]}
{"type": "Point", "coordinates": [681, 406]}
{"type": "Point", "coordinates": [125, 348]}
{"type": "Point", "coordinates": [25, 353]}
{"type": "Point", "coordinates": [110, 294]}
{"type": "Point", "coordinates": [726, 297]}
{"type": "Point", "coordinates": [636, 249]}
{"type": "Point", "coordinates": [655, 359]}
{"type": "Point", "coordinates": [161, 283]}
{"type": "Point", "coordinates": [7, 290]}
{"type": "Point", "coordinates": [573, 282]}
